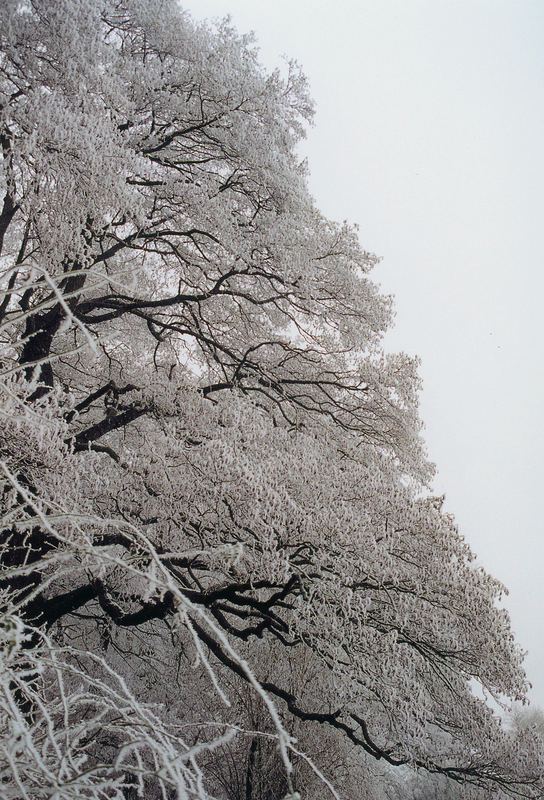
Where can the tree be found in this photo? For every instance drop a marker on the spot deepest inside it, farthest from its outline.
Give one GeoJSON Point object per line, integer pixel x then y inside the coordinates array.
{"type": "Point", "coordinates": [206, 453]}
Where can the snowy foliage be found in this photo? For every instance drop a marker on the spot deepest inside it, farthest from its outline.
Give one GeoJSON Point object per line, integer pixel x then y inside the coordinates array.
{"type": "Point", "coordinates": [213, 478]}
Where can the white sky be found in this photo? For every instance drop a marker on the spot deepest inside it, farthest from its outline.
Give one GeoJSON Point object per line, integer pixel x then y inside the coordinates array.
{"type": "Point", "coordinates": [430, 134]}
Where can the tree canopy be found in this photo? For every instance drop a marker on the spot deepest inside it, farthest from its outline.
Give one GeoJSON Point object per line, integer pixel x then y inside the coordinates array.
{"type": "Point", "coordinates": [217, 527]}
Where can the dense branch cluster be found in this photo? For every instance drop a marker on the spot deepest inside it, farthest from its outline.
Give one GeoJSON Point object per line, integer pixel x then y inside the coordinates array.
{"type": "Point", "coordinates": [213, 485]}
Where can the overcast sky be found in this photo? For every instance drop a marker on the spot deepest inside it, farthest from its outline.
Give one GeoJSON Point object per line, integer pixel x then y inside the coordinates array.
{"type": "Point", "coordinates": [430, 134]}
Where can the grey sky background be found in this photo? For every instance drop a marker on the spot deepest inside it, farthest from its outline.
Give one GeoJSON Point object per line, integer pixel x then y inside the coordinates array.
{"type": "Point", "coordinates": [429, 133]}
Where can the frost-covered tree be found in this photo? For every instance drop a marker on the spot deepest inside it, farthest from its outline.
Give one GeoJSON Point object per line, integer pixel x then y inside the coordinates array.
{"type": "Point", "coordinates": [212, 474]}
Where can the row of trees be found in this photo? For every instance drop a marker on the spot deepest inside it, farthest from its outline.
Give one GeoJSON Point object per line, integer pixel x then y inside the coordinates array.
{"type": "Point", "coordinates": [222, 572]}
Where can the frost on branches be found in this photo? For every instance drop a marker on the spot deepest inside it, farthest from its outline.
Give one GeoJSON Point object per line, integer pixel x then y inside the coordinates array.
{"type": "Point", "coordinates": [221, 569]}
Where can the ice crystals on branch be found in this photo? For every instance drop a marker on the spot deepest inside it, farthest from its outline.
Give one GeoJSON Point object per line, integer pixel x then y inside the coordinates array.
{"type": "Point", "coordinates": [215, 506]}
